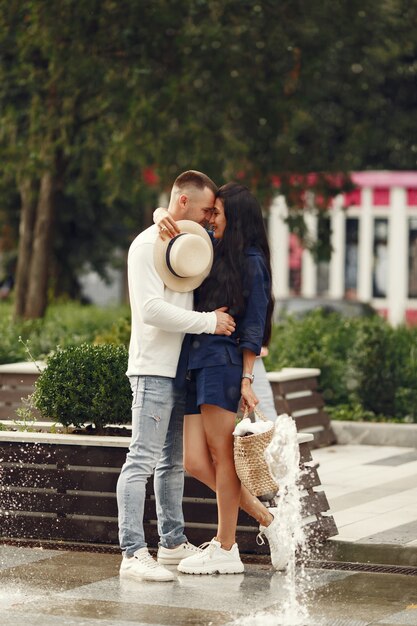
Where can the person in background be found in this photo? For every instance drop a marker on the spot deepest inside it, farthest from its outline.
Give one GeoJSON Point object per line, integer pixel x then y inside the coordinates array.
{"type": "Point", "coordinates": [262, 387]}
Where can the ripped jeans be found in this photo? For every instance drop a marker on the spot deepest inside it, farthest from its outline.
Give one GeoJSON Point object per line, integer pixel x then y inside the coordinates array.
{"type": "Point", "coordinates": [156, 445]}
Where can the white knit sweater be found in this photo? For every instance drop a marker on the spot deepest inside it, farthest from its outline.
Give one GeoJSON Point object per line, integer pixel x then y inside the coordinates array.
{"type": "Point", "coordinates": [160, 317]}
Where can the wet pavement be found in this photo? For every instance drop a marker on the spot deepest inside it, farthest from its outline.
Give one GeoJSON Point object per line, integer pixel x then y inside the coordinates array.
{"type": "Point", "coordinates": [41, 587]}
{"type": "Point", "coordinates": [372, 494]}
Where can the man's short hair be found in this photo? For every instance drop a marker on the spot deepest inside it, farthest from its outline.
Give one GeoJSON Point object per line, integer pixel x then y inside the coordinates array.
{"type": "Point", "coordinates": [192, 178]}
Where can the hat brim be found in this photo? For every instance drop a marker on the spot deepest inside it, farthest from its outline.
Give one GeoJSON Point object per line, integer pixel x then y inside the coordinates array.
{"type": "Point", "coordinates": [159, 254]}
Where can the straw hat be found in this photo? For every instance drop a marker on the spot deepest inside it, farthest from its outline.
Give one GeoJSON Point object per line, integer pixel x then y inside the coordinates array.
{"type": "Point", "coordinates": [184, 261]}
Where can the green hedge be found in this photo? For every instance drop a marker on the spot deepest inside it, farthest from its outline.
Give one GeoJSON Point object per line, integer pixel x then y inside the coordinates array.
{"type": "Point", "coordinates": [368, 368]}
{"type": "Point", "coordinates": [65, 324]}
{"type": "Point", "coordinates": [318, 340]}
{"type": "Point", "coordinates": [118, 333]}
{"type": "Point", "coordinates": [85, 384]}
{"type": "Point", "coordinates": [383, 360]}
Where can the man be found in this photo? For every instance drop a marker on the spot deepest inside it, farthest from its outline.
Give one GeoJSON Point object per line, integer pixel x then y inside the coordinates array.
{"type": "Point", "coordinates": [160, 318]}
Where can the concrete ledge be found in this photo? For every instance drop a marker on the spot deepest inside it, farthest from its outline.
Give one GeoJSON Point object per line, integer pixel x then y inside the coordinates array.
{"type": "Point", "coordinates": [84, 440]}
{"type": "Point", "coordinates": [64, 439]}
{"type": "Point", "coordinates": [377, 554]}
{"type": "Point", "coordinates": [25, 367]}
{"type": "Point", "coordinates": [375, 434]}
{"type": "Point", "coordinates": [292, 373]}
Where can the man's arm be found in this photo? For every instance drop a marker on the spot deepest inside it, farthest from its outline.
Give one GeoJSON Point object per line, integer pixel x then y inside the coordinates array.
{"type": "Point", "coordinates": [146, 291]}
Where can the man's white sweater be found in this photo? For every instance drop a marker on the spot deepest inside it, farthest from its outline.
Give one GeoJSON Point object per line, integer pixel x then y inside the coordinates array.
{"type": "Point", "coordinates": [160, 317]}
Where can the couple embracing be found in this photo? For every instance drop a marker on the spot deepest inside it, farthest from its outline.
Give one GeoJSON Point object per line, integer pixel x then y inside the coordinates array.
{"type": "Point", "coordinates": [201, 309]}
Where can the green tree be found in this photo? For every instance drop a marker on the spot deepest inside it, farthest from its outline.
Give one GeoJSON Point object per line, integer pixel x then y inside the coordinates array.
{"type": "Point", "coordinates": [95, 96]}
{"type": "Point", "coordinates": [59, 78]}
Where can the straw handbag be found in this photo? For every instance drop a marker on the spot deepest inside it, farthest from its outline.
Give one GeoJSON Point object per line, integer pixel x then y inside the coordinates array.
{"type": "Point", "coordinates": [251, 467]}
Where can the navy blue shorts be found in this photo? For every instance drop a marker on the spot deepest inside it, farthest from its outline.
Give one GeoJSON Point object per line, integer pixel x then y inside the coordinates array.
{"type": "Point", "coordinates": [218, 385]}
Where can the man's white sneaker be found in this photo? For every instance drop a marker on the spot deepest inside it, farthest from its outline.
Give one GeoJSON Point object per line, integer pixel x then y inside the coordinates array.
{"type": "Point", "coordinates": [173, 556]}
{"type": "Point", "coordinates": [213, 559]}
{"type": "Point", "coordinates": [142, 566]}
{"type": "Point", "coordinates": [279, 553]}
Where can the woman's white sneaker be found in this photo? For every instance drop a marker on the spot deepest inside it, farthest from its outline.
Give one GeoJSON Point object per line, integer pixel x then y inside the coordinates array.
{"type": "Point", "coordinates": [279, 553]}
{"type": "Point", "coordinates": [213, 559]}
{"type": "Point", "coordinates": [173, 556]}
{"type": "Point", "coordinates": [142, 566]}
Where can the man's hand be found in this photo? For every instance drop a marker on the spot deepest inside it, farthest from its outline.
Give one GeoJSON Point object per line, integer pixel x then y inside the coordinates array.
{"type": "Point", "coordinates": [167, 225]}
{"type": "Point", "coordinates": [225, 322]}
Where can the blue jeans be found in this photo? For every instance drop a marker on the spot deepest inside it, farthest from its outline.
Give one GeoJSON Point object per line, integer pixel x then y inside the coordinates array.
{"type": "Point", "coordinates": [262, 388]}
{"type": "Point", "coordinates": [157, 423]}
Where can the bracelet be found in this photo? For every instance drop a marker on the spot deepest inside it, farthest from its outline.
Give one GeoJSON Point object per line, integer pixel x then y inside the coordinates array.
{"type": "Point", "coordinates": [250, 377]}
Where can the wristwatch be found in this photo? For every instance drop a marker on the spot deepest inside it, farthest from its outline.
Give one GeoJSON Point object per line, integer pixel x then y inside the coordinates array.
{"type": "Point", "coordinates": [251, 377]}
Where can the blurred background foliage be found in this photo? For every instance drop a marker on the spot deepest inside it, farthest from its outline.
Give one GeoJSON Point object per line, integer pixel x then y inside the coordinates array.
{"type": "Point", "coordinates": [65, 324]}
{"type": "Point", "coordinates": [367, 366]}
{"type": "Point", "coordinates": [103, 103]}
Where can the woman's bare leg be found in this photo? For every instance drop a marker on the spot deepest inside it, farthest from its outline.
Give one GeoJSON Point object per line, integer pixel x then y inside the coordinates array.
{"type": "Point", "coordinates": [218, 426]}
{"type": "Point", "coordinates": [254, 507]}
{"type": "Point", "coordinates": [197, 459]}
{"type": "Point", "coordinates": [199, 464]}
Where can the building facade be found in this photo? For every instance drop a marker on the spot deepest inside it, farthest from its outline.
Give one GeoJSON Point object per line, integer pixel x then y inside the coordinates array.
{"type": "Point", "coordinates": [374, 247]}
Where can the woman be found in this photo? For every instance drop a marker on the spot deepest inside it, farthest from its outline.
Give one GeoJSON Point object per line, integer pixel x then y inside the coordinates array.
{"type": "Point", "coordinates": [220, 372]}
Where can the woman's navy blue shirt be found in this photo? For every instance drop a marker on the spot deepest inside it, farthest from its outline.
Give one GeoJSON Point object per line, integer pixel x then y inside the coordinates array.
{"type": "Point", "coordinates": [207, 350]}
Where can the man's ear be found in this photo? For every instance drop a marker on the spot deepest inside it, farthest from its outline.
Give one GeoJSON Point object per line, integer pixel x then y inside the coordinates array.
{"type": "Point", "coordinates": [183, 200]}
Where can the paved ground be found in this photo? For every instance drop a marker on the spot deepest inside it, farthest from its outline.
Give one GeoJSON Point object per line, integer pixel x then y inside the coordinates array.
{"type": "Point", "coordinates": [372, 491]}
{"type": "Point", "coordinates": [49, 588]}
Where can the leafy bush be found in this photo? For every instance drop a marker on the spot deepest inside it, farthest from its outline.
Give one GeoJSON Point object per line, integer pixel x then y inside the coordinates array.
{"type": "Point", "coordinates": [11, 350]}
{"type": "Point", "coordinates": [354, 413]}
{"type": "Point", "coordinates": [373, 366]}
{"type": "Point", "coordinates": [85, 384]}
{"type": "Point", "coordinates": [406, 360]}
{"type": "Point", "coordinates": [118, 333]}
{"type": "Point", "coordinates": [368, 368]}
{"type": "Point", "coordinates": [383, 362]}
{"type": "Point", "coordinates": [318, 340]}
{"type": "Point", "coordinates": [65, 324]}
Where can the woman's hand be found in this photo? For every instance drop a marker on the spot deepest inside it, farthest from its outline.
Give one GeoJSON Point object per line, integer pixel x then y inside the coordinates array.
{"type": "Point", "coordinates": [167, 225]}
{"type": "Point", "coordinates": [249, 399]}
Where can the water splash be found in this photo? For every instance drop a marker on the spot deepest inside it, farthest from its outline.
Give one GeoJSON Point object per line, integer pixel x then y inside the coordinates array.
{"type": "Point", "coordinates": [283, 458]}
{"type": "Point", "coordinates": [11, 596]}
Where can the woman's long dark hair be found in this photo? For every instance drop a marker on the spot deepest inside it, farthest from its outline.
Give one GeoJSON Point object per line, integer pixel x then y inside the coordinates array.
{"type": "Point", "coordinates": [244, 228]}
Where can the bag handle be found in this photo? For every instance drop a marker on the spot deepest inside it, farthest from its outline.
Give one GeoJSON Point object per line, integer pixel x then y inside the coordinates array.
{"type": "Point", "coordinates": [257, 413]}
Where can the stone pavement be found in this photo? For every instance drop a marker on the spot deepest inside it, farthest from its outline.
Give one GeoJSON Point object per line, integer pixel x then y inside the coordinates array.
{"type": "Point", "coordinates": [50, 588]}
{"type": "Point", "coordinates": [372, 494]}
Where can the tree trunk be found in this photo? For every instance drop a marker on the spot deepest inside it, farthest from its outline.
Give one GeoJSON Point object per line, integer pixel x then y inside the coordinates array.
{"type": "Point", "coordinates": [37, 295]}
{"type": "Point", "coordinates": [26, 227]}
